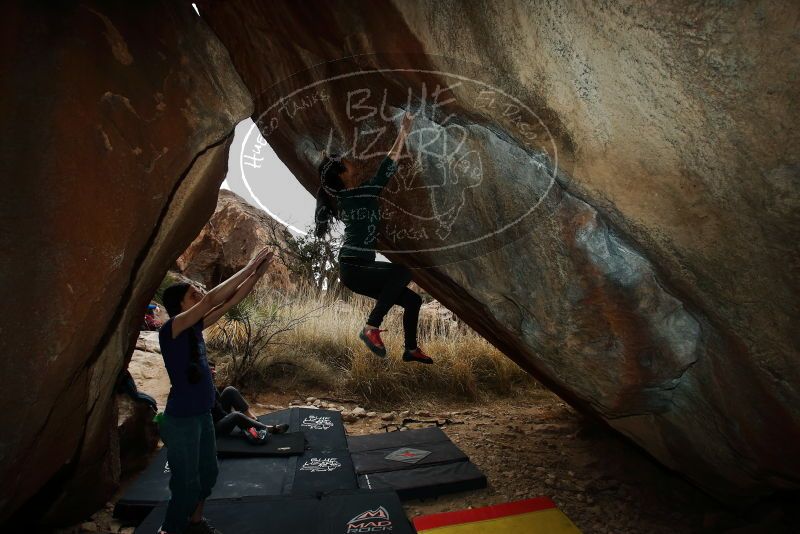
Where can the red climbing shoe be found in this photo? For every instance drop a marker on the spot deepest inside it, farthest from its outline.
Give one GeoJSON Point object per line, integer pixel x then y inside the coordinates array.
{"type": "Point", "coordinates": [256, 436]}
{"type": "Point", "coordinates": [372, 339]}
{"type": "Point", "coordinates": [416, 355]}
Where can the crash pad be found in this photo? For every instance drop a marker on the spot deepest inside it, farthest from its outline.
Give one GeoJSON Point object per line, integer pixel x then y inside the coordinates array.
{"type": "Point", "coordinates": [539, 515]}
{"type": "Point", "coordinates": [353, 511]}
{"type": "Point", "coordinates": [417, 463]}
{"type": "Point", "coordinates": [277, 445]}
{"type": "Point", "coordinates": [427, 481]}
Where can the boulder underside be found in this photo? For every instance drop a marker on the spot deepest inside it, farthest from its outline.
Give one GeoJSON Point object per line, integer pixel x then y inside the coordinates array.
{"type": "Point", "coordinates": [608, 199]}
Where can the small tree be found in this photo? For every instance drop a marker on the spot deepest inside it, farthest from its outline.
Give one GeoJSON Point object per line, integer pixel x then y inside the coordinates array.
{"type": "Point", "coordinates": [314, 260]}
{"type": "Point", "coordinates": [247, 330]}
{"type": "Point", "coordinates": [318, 261]}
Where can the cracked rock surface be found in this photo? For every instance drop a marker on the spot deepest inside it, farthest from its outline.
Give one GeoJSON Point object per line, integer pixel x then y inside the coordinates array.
{"type": "Point", "coordinates": [116, 127]}
{"type": "Point", "coordinates": [652, 284]}
{"type": "Point", "coordinates": [606, 191]}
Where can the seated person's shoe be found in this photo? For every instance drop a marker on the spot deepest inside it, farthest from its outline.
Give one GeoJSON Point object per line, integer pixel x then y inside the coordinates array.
{"type": "Point", "coordinates": [416, 355]}
{"type": "Point", "coordinates": [203, 527]}
{"type": "Point", "coordinates": [372, 339]}
{"type": "Point", "coordinates": [256, 436]}
{"type": "Point", "coordinates": [278, 429]}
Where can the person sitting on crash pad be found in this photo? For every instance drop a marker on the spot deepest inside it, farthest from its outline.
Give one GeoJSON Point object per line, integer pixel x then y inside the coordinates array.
{"type": "Point", "coordinates": [231, 411]}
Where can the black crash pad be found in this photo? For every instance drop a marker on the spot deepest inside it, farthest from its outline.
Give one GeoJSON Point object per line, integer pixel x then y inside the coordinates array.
{"type": "Point", "coordinates": [323, 429]}
{"type": "Point", "coordinates": [323, 472]}
{"type": "Point", "coordinates": [385, 440]}
{"type": "Point", "coordinates": [238, 477]}
{"type": "Point", "coordinates": [255, 476]}
{"type": "Point", "coordinates": [427, 481]}
{"type": "Point", "coordinates": [344, 512]}
{"type": "Point", "coordinates": [260, 475]}
{"type": "Point", "coordinates": [277, 445]}
{"type": "Point", "coordinates": [147, 490]}
{"type": "Point", "coordinates": [398, 458]}
{"type": "Point", "coordinates": [416, 463]}
{"type": "Point", "coordinates": [394, 451]}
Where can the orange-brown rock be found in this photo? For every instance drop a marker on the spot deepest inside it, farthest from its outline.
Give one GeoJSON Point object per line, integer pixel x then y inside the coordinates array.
{"type": "Point", "coordinates": [649, 276]}
{"type": "Point", "coordinates": [233, 235]}
{"type": "Point", "coordinates": [116, 124]}
{"type": "Point", "coordinates": [608, 191]}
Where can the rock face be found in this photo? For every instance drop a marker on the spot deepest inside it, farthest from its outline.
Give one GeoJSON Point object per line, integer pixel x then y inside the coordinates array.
{"type": "Point", "coordinates": [233, 235]}
{"type": "Point", "coordinates": [116, 127]}
{"type": "Point", "coordinates": [147, 368]}
{"type": "Point", "coordinates": [138, 434]}
{"type": "Point", "coordinates": [622, 185]}
{"type": "Point", "coordinates": [434, 312]}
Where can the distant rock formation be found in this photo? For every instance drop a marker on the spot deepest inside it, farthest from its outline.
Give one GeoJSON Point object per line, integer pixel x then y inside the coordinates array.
{"type": "Point", "coordinates": [147, 368]}
{"type": "Point", "coordinates": [233, 235]}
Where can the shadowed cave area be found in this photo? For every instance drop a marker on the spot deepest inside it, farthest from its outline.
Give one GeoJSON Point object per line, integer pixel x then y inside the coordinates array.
{"type": "Point", "coordinates": [605, 193]}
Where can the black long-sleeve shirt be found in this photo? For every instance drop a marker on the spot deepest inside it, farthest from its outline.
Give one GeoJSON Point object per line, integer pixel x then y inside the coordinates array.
{"type": "Point", "coordinates": [360, 213]}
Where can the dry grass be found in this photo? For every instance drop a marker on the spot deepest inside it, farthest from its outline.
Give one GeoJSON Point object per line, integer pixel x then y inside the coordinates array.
{"type": "Point", "coordinates": [324, 350]}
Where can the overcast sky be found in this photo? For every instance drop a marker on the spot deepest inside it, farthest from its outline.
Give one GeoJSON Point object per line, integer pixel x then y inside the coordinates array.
{"type": "Point", "coordinates": [269, 186]}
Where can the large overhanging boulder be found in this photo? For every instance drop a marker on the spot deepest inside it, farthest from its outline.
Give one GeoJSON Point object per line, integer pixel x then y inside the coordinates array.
{"type": "Point", "coordinates": [624, 205]}
{"type": "Point", "coordinates": [116, 125]}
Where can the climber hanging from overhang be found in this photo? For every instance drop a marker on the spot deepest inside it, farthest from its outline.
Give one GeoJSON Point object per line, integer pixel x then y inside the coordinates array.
{"type": "Point", "coordinates": [354, 201]}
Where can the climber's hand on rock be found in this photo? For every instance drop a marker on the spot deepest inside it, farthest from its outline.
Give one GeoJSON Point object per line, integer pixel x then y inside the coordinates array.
{"type": "Point", "coordinates": [405, 125]}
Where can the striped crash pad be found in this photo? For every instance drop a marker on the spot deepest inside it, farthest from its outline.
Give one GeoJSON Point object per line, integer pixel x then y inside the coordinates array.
{"type": "Point", "coordinates": [532, 516]}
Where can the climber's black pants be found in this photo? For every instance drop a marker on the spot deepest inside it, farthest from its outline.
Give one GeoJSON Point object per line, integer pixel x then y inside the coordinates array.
{"type": "Point", "coordinates": [385, 282]}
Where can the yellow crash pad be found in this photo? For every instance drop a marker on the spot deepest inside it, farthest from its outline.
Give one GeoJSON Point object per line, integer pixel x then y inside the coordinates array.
{"type": "Point", "coordinates": [531, 516]}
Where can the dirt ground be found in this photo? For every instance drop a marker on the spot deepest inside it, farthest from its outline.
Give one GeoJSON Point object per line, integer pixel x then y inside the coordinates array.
{"type": "Point", "coordinates": [534, 445]}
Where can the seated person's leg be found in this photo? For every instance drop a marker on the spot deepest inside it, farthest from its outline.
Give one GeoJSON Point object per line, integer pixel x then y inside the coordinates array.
{"type": "Point", "coordinates": [225, 426]}
{"type": "Point", "coordinates": [231, 399]}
